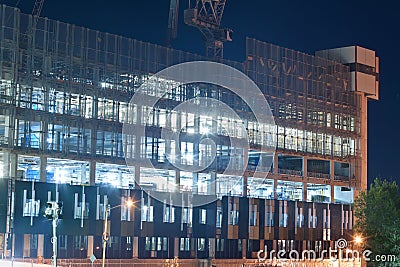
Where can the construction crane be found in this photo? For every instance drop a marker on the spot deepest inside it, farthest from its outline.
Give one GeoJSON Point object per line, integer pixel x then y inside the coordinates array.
{"type": "Point", "coordinates": [206, 16]}
{"type": "Point", "coordinates": [172, 21]}
{"type": "Point", "coordinates": [37, 8]}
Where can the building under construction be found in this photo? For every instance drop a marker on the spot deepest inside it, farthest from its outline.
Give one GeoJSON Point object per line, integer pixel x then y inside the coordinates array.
{"type": "Point", "coordinates": [64, 97]}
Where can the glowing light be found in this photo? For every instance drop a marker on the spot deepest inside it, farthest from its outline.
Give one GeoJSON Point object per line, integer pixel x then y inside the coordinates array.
{"type": "Point", "coordinates": [358, 239]}
{"type": "Point", "coordinates": [129, 203]}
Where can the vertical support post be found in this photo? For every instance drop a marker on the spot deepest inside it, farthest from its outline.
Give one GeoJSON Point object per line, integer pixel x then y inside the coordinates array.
{"type": "Point", "coordinates": [92, 172]}
{"type": "Point", "coordinates": [304, 191]}
{"type": "Point", "coordinates": [275, 164]}
{"type": "Point", "coordinates": [40, 247]}
{"type": "Point", "coordinates": [177, 181]}
{"type": "Point", "coordinates": [305, 167]}
{"type": "Point", "coordinates": [211, 186]}
{"type": "Point", "coordinates": [90, 246]}
{"type": "Point", "coordinates": [43, 165]}
{"type": "Point", "coordinates": [195, 181]}
{"type": "Point", "coordinates": [245, 179]}
{"type": "Point", "coordinates": [54, 239]}
{"type": "Point", "coordinates": [105, 236]}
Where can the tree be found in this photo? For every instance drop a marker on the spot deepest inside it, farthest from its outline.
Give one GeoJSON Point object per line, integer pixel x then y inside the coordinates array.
{"type": "Point", "coordinates": [378, 220]}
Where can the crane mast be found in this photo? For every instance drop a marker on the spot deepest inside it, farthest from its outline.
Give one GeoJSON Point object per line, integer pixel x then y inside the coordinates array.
{"type": "Point", "coordinates": [206, 16]}
{"type": "Point", "coordinates": [173, 21]}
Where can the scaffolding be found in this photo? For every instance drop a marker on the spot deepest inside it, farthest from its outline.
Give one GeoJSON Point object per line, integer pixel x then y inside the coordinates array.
{"type": "Point", "coordinates": [66, 95]}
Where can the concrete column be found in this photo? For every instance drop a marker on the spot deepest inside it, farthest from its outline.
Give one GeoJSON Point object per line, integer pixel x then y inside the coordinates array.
{"type": "Point", "coordinates": [244, 186]}
{"type": "Point", "coordinates": [305, 168]}
{"type": "Point", "coordinates": [332, 169]}
{"type": "Point", "coordinates": [211, 248]}
{"type": "Point", "coordinates": [121, 183]}
{"type": "Point", "coordinates": [43, 134]}
{"type": "Point", "coordinates": [40, 250]}
{"type": "Point", "coordinates": [275, 166]}
{"type": "Point", "coordinates": [304, 191]}
{"type": "Point", "coordinates": [364, 144]}
{"type": "Point", "coordinates": [137, 177]}
{"type": "Point", "coordinates": [135, 248]}
{"type": "Point", "coordinates": [10, 165]}
{"type": "Point", "coordinates": [244, 248]}
{"type": "Point", "coordinates": [332, 193]}
{"type": "Point", "coordinates": [13, 165]}
{"type": "Point", "coordinates": [211, 186]}
{"type": "Point", "coordinates": [195, 180]}
{"type": "Point", "coordinates": [27, 246]}
{"type": "Point", "coordinates": [177, 181]}
{"type": "Point", "coordinates": [262, 244]}
{"type": "Point", "coordinates": [43, 172]}
{"type": "Point", "coordinates": [176, 247]}
{"type": "Point", "coordinates": [90, 246]}
{"type": "Point", "coordinates": [92, 172]}
{"type": "Point", "coordinates": [83, 173]}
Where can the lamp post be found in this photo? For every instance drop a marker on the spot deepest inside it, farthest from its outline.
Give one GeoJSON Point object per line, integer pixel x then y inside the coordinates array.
{"type": "Point", "coordinates": [53, 212]}
{"type": "Point", "coordinates": [128, 204]}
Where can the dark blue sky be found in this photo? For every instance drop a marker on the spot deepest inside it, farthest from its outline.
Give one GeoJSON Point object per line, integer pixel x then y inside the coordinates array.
{"type": "Point", "coordinates": [301, 25]}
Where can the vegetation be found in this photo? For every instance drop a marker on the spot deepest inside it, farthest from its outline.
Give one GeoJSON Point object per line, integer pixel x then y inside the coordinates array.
{"type": "Point", "coordinates": [378, 221]}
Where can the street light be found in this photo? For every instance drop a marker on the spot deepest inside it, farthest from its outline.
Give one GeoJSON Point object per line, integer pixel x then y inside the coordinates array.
{"type": "Point", "coordinates": [53, 212]}
{"type": "Point", "coordinates": [128, 204]}
{"type": "Point", "coordinates": [358, 240]}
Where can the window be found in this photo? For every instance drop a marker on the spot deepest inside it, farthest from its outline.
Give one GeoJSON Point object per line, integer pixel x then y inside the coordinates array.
{"type": "Point", "coordinates": [300, 220]}
{"type": "Point", "coordinates": [203, 216]}
{"type": "Point", "coordinates": [80, 242]}
{"type": "Point", "coordinates": [31, 208]}
{"type": "Point", "coordinates": [147, 213]}
{"type": "Point", "coordinates": [312, 221]}
{"type": "Point", "coordinates": [80, 212]}
{"type": "Point", "coordinates": [62, 242]}
{"type": "Point", "coordinates": [201, 244]}
{"type": "Point", "coordinates": [220, 244]}
{"type": "Point", "coordinates": [253, 215]}
{"type": "Point", "coordinates": [169, 214]}
{"type": "Point", "coordinates": [234, 220]}
{"type": "Point", "coordinates": [184, 244]}
{"type": "Point", "coordinates": [187, 216]}
{"type": "Point", "coordinates": [34, 241]}
{"type": "Point", "coordinates": [269, 219]}
{"type": "Point", "coordinates": [147, 243]}
{"type": "Point", "coordinates": [284, 220]}
{"type": "Point", "coordinates": [219, 217]}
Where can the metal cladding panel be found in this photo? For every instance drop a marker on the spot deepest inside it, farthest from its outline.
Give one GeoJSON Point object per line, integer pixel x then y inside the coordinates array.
{"type": "Point", "coordinates": [291, 219]}
{"type": "Point", "coordinates": [70, 225]}
{"type": "Point", "coordinates": [336, 221]}
{"type": "Point", "coordinates": [366, 83]}
{"type": "Point", "coordinates": [166, 229]}
{"type": "Point", "coordinates": [224, 224]}
{"type": "Point", "coordinates": [262, 217]}
{"type": "Point", "coordinates": [3, 204]}
{"type": "Point", "coordinates": [365, 56]}
{"type": "Point", "coordinates": [243, 218]}
{"type": "Point", "coordinates": [22, 224]}
{"type": "Point", "coordinates": [209, 228]}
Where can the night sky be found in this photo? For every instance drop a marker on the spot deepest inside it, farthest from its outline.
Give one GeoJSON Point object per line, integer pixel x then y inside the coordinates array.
{"type": "Point", "coordinates": [301, 25]}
